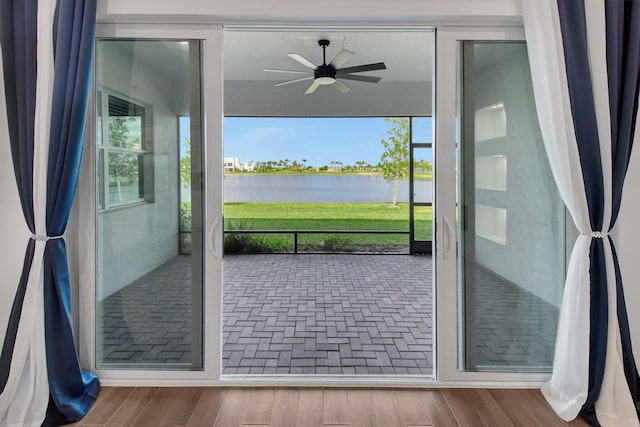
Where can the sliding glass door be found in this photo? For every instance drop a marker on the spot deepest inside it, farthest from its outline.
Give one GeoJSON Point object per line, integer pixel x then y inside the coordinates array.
{"type": "Point", "coordinates": [512, 259]}
{"type": "Point", "coordinates": [149, 289]}
{"type": "Point", "coordinates": [500, 224]}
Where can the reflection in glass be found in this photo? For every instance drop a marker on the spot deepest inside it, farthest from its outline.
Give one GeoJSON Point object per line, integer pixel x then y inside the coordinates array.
{"type": "Point", "coordinates": [491, 172]}
{"type": "Point", "coordinates": [148, 294]}
{"type": "Point", "coordinates": [490, 122]}
{"type": "Point", "coordinates": [512, 259]}
{"type": "Point", "coordinates": [124, 177]}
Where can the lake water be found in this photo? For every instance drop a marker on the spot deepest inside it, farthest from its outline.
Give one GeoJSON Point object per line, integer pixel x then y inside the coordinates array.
{"type": "Point", "coordinates": [319, 188]}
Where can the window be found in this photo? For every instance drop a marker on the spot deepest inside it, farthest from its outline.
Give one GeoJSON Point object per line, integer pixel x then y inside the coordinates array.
{"type": "Point", "coordinates": [123, 148]}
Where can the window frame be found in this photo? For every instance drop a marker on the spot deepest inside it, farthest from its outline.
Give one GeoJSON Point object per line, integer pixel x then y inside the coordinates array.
{"type": "Point", "coordinates": [104, 149]}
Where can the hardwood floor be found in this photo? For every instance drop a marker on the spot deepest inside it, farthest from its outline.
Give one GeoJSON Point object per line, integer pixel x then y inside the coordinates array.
{"type": "Point", "coordinates": [311, 407]}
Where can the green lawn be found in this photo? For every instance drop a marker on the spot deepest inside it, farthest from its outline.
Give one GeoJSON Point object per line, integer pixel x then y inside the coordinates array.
{"type": "Point", "coordinates": [328, 216]}
{"type": "Point", "coordinates": [317, 216]}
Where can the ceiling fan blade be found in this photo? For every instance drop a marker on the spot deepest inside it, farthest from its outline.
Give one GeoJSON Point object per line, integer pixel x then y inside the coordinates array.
{"type": "Point", "coordinates": [273, 70]}
{"type": "Point", "coordinates": [301, 59]}
{"type": "Point", "coordinates": [341, 86]}
{"type": "Point", "coordinates": [361, 68]}
{"type": "Point", "coordinates": [288, 82]}
{"type": "Point", "coordinates": [369, 79]}
{"type": "Point", "coordinates": [341, 58]}
{"type": "Point", "coordinates": [312, 88]}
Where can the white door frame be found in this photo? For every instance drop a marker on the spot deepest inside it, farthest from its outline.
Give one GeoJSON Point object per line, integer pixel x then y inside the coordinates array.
{"type": "Point", "coordinates": [448, 336]}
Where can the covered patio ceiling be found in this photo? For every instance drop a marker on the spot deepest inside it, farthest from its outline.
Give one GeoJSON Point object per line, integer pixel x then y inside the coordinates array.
{"type": "Point", "coordinates": [405, 88]}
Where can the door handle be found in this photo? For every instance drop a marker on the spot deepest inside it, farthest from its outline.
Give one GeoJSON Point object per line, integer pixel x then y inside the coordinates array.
{"type": "Point", "coordinates": [447, 232]}
{"type": "Point", "coordinates": [213, 238]}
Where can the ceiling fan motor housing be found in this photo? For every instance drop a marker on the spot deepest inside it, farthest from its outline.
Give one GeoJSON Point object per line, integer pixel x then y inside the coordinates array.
{"type": "Point", "coordinates": [324, 74]}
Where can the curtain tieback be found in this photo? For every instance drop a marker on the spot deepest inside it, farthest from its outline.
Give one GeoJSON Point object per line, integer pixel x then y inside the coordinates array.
{"type": "Point", "coordinates": [41, 238]}
{"type": "Point", "coordinates": [597, 234]}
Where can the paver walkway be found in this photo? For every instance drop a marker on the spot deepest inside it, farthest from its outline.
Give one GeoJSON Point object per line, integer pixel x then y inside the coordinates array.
{"type": "Point", "coordinates": [319, 314]}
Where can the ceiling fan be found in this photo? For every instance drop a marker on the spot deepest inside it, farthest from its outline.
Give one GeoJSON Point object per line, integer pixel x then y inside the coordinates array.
{"type": "Point", "coordinates": [331, 73]}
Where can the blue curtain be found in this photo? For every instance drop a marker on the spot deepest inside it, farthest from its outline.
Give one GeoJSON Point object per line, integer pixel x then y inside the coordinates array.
{"type": "Point", "coordinates": [623, 66]}
{"type": "Point", "coordinates": [72, 391]}
{"type": "Point", "coordinates": [18, 36]}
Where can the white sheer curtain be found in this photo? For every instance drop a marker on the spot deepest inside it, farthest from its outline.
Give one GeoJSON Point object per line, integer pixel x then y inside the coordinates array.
{"type": "Point", "coordinates": [568, 388]}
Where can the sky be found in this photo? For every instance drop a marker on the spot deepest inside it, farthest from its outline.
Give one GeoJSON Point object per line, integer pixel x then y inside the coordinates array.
{"type": "Point", "coordinates": [319, 140]}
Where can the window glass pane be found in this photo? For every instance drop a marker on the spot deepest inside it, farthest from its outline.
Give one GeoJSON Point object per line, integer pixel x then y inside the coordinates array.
{"type": "Point", "coordinates": [513, 246]}
{"type": "Point", "coordinates": [125, 132]}
{"type": "Point", "coordinates": [99, 118]}
{"type": "Point", "coordinates": [149, 267]}
{"type": "Point", "coordinates": [100, 186]}
{"type": "Point", "coordinates": [125, 183]}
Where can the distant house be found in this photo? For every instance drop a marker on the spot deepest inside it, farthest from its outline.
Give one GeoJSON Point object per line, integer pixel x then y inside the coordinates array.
{"type": "Point", "coordinates": [233, 164]}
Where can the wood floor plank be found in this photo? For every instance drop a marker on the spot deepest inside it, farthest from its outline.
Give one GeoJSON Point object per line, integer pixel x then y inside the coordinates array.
{"type": "Point", "coordinates": [578, 422]}
{"type": "Point", "coordinates": [132, 407]}
{"type": "Point", "coordinates": [539, 410]}
{"type": "Point", "coordinates": [488, 408]}
{"type": "Point", "coordinates": [438, 409]}
{"type": "Point", "coordinates": [464, 412]}
{"type": "Point", "coordinates": [157, 407]}
{"type": "Point", "coordinates": [509, 401]}
{"type": "Point", "coordinates": [104, 391]}
{"type": "Point", "coordinates": [181, 408]}
{"type": "Point", "coordinates": [335, 407]}
{"type": "Point", "coordinates": [309, 408]}
{"type": "Point", "coordinates": [206, 410]}
{"type": "Point", "coordinates": [361, 409]}
{"type": "Point", "coordinates": [387, 413]}
{"type": "Point", "coordinates": [315, 407]}
{"type": "Point", "coordinates": [261, 407]}
{"type": "Point", "coordinates": [412, 409]}
{"type": "Point", "coordinates": [285, 408]}
{"type": "Point", "coordinates": [234, 406]}
{"type": "Point", "coordinates": [102, 412]}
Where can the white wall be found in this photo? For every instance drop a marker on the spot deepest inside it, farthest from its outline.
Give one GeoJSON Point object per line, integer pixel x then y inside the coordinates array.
{"type": "Point", "coordinates": [328, 11]}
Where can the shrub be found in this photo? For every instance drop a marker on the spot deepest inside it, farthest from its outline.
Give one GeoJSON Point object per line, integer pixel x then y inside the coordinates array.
{"type": "Point", "coordinates": [332, 243]}
{"type": "Point", "coordinates": [246, 243]}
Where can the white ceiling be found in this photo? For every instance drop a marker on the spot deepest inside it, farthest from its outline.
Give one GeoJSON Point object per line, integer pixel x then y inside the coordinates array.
{"type": "Point", "coordinates": [405, 88]}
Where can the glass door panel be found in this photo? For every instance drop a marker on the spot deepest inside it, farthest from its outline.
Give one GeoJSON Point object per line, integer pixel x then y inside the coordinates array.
{"type": "Point", "coordinates": [149, 287]}
{"type": "Point", "coordinates": [512, 263]}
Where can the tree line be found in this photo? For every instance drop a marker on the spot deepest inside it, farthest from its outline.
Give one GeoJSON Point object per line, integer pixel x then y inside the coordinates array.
{"type": "Point", "coordinates": [393, 164]}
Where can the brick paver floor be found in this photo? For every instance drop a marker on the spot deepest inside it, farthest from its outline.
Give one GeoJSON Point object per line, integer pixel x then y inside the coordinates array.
{"type": "Point", "coordinates": [319, 314]}
{"type": "Point", "coordinates": [328, 314]}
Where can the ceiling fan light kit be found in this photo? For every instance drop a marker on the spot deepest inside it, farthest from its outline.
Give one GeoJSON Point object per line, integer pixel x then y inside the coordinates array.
{"type": "Point", "coordinates": [331, 73]}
